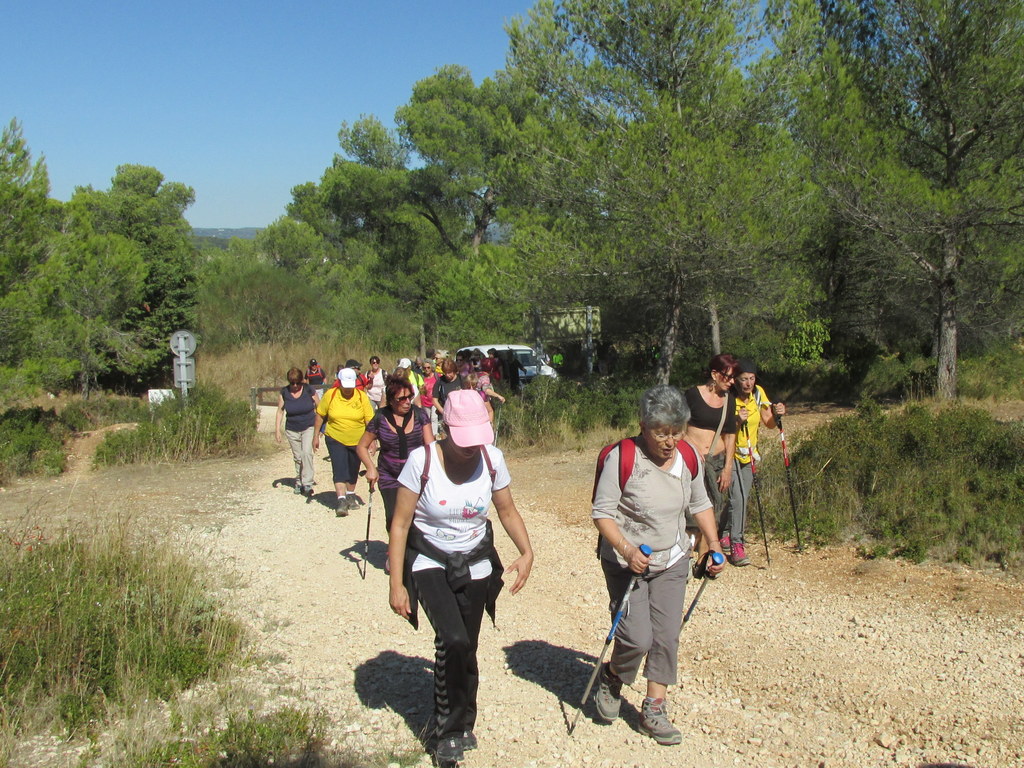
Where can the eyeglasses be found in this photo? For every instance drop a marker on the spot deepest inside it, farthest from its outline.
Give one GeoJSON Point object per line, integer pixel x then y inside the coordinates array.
{"type": "Point", "coordinates": [662, 437]}
{"type": "Point", "coordinates": [403, 399]}
{"type": "Point", "coordinates": [727, 376]}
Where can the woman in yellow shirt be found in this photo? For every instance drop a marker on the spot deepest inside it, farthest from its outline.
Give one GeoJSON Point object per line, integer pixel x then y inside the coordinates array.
{"type": "Point", "coordinates": [753, 408]}
{"type": "Point", "coordinates": [347, 411]}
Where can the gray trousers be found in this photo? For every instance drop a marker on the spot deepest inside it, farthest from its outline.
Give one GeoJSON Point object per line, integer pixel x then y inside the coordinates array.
{"type": "Point", "coordinates": [713, 467]}
{"type": "Point", "coordinates": [302, 451]}
{"type": "Point", "coordinates": [651, 625]}
{"type": "Point", "coordinates": [739, 495]}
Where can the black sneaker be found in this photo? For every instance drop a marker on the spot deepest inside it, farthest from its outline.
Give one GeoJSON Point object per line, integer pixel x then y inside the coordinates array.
{"type": "Point", "coordinates": [468, 741]}
{"type": "Point", "coordinates": [342, 509]}
{"type": "Point", "coordinates": [449, 752]}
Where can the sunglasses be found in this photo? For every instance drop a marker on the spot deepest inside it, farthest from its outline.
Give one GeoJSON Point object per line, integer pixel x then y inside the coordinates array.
{"type": "Point", "coordinates": [403, 399]}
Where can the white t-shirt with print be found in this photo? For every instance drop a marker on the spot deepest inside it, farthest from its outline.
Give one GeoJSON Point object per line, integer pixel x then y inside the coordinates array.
{"type": "Point", "coordinates": [453, 517]}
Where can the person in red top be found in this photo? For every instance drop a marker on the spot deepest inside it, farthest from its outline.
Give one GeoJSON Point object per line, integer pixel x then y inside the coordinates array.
{"type": "Point", "coordinates": [316, 377]}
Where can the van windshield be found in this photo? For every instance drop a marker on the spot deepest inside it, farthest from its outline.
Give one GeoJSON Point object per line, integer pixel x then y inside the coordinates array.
{"type": "Point", "coordinates": [526, 357]}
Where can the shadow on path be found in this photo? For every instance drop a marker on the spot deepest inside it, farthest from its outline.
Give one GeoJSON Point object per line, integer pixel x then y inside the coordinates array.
{"type": "Point", "coordinates": [563, 672]}
{"type": "Point", "coordinates": [376, 554]}
{"type": "Point", "coordinates": [404, 684]}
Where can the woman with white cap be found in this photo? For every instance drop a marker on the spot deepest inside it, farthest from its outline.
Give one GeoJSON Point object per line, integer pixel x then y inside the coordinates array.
{"type": "Point", "coordinates": [346, 411]}
{"type": "Point", "coordinates": [442, 556]}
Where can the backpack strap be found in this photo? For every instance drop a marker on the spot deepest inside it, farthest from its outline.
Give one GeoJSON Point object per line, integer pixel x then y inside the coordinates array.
{"type": "Point", "coordinates": [689, 456]}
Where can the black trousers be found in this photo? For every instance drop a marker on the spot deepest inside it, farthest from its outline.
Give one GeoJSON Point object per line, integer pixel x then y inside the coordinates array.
{"type": "Point", "coordinates": [456, 619]}
{"type": "Point", "coordinates": [389, 496]}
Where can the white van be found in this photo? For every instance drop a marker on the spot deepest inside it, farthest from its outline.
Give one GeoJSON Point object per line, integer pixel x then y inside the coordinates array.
{"type": "Point", "coordinates": [532, 365]}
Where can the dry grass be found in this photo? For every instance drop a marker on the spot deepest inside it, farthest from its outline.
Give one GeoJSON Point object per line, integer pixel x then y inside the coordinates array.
{"type": "Point", "coordinates": [265, 365]}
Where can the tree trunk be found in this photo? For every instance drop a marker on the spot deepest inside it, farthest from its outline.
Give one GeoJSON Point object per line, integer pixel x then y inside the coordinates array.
{"type": "Point", "coordinates": [716, 327]}
{"type": "Point", "coordinates": [946, 384]}
{"type": "Point", "coordinates": [668, 339]}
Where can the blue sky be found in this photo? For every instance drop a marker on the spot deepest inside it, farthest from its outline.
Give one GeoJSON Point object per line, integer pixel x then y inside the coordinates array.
{"type": "Point", "coordinates": [239, 100]}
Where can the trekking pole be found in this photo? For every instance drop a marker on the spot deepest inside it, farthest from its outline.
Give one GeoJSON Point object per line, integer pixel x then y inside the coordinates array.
{"type": "Point", "coordinates": [366, 539]}
{"type": "Point", "coordinates": [789, 482]}
{"type": "Point", "coordinates": [757, 495]}
{"type": "Point", "coordinates": [497, 421]}
{"type": "Point", "coordinates": [701, 572]}
{"type": "Point", "coordinates": [623, 604]}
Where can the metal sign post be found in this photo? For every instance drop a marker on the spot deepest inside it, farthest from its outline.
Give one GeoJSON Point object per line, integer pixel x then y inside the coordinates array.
{"type": "Point", "coordinates": [183, 345]}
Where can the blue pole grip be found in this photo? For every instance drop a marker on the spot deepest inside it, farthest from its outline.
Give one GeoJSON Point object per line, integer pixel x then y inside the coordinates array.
{"type": "Point", "coordinates": [647, 550]}
{"type": "Point", "coordinates": [717, 558]}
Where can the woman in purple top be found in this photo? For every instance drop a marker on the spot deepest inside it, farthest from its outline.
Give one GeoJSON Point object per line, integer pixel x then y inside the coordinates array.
{"type": "Point", "coordinates": [398, 428]}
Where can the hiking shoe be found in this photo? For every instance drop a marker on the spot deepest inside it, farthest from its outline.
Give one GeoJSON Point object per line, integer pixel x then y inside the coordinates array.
{"type": "Point", "coordinates": [468, 741]}
{"type": "Point", "coordinates": [655, 723]}
{"type": "Point", "coordinates": [608, 698]}
{"type": "Point", "coordinates": [738, 556]}
{"type": "Point", "coordinates": [448, 752]}
{"type": "Point", "coordinates": [342, 509]}
{"type": "Point", "coordinates": [726, 543]}
{"type": "Point", "coordinates": [298, 489]}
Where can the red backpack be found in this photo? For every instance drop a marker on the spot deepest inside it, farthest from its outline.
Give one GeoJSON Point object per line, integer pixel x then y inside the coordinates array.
{"type": "Point", "coordinates": [627, 458]}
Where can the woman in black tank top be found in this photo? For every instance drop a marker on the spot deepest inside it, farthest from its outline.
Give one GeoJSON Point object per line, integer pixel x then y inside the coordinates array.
{"type": "Point", "coordinates": [712, 428]}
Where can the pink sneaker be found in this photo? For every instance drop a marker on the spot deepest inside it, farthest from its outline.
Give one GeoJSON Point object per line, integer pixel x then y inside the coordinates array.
{"type": "Point", "coordinates": [725, 543]}
{"type": "Point", "coordinates": [738, 557]}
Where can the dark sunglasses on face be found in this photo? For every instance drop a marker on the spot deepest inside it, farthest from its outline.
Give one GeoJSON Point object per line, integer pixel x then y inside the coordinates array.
{"type": "Point", "coordinates": [403, 399]}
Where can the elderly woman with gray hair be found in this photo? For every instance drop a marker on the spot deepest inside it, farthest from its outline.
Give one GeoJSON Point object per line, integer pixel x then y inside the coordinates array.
{"type": "Point", "coordinates": [646, 489]}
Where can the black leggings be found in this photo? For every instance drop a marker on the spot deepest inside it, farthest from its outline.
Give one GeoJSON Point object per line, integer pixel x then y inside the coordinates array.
{"type": "Point", "coordinates": [389, 496]}
{"type": "Point", "coordinates": [456, 619]}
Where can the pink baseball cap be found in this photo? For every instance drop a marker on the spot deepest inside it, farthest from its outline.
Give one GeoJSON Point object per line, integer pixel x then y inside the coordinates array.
{"type": "Point", "coordinates": [465, 419]}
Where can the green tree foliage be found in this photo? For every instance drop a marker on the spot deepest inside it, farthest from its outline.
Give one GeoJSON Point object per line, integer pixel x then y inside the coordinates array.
{"type": "Point", "coordinates": [656, 153]}
{"type": "Point", "coordinates": [150, 212]}
{"type": "Point", "coordinates": [86, 289]}
{"type": "Point", "coordinates": [244, 299]}
{"type": "Point", "coordinates": [914, 110]}
{"type": "Point", "coordinates": [24, 187]}
{"type": "Point", "coordinates": [458, 130]}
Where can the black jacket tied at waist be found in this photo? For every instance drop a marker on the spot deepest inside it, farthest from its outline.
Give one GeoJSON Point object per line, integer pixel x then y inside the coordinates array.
{"type": "Point", "coordinates": [456, 569]}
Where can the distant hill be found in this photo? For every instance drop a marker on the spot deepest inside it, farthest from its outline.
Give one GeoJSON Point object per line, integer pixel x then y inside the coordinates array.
{"type": "Point", "coordinates": [246, 233]}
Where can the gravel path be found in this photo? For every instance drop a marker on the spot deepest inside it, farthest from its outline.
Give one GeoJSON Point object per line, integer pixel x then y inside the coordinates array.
{"type": "Point", "coordinates": [823, 660]}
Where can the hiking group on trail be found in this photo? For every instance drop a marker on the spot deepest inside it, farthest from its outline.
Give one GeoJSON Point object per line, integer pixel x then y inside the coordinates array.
{"type": "Point", "coordinates": [668, 503]}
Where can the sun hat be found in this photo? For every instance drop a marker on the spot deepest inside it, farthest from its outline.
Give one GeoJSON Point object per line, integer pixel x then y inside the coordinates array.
{"type": "Point", "coordinates": [746, 366]}
{"type": "Point", "coordinates": [405, 362]}
{"type": "Point", "coordinates": [347, 377]}
{"type": "Point", "coordinates": [353, 364]}
{"type": "Point", "coordinates": [465, 419]}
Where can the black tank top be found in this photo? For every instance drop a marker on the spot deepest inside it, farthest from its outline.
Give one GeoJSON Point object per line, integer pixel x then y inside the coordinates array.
{"type": "Point", "coordinates": [703, 416]}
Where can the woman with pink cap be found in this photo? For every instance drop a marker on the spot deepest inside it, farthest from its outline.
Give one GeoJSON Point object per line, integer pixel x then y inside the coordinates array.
{"type": "Point", "coordinates": [442, 557]}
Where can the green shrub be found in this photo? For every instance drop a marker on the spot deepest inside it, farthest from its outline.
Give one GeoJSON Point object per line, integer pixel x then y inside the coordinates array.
{"type": "Point", "coordinates": [890, 376]}
{"type": "Point", "coordinates": [946, 484]}
{"type": "Point", "coordinates": [103, 410]}
{"type": "Point", "coordinates": [31, 443]}
{"type": "Point", "coordinates": [552, 408]}
{"type": "Point", "coordinates": [246, 741]}
{"type": "Point", "coordinates": [207, 425]}
{"type": "Point", "coordinates": [994, 375]}
{"type": "Point", "coordinates": [84, 621]}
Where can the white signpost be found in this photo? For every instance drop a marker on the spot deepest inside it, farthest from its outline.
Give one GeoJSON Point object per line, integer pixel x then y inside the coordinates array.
{"type": "Point", "coordinates": [183, 345]}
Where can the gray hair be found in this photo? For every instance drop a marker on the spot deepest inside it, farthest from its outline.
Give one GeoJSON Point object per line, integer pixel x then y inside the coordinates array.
{"type": "Point", "coordinates": [664, 406]}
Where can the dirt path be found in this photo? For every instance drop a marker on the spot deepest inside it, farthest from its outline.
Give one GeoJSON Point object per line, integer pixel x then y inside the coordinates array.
{"type": "Point", "coordinates": [824, 660]}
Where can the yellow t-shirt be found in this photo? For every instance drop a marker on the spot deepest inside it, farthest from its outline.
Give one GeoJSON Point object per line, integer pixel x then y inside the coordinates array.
{"type": "Point", "coordinates": [746, 439]}
{"type": "Point", "coordinates": [346, 417]}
